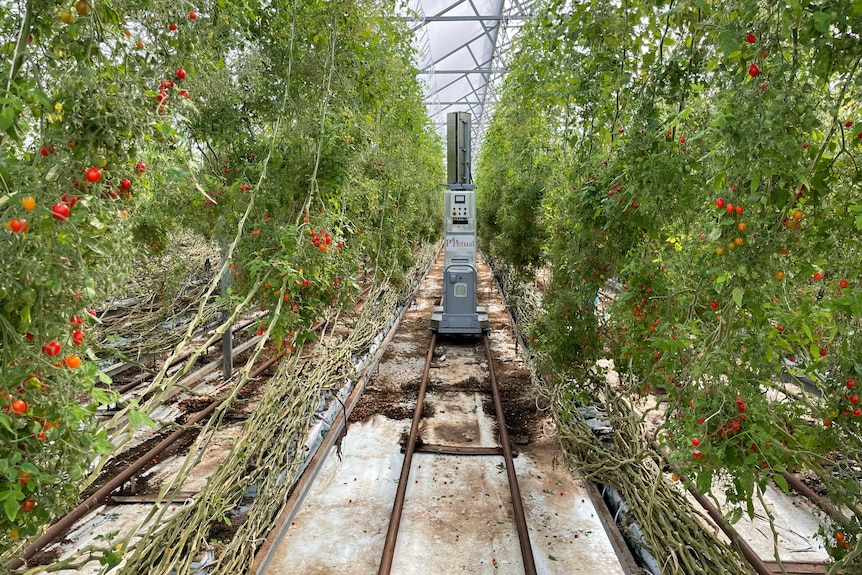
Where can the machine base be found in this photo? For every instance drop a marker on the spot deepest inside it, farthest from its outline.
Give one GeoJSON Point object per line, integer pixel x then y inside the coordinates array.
{"type": "Point", "coordinates": [470, 323]}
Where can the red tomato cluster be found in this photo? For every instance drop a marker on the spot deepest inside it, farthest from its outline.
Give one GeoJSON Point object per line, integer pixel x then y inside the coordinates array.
{"type": "Point", "coordinates": [321, 240]}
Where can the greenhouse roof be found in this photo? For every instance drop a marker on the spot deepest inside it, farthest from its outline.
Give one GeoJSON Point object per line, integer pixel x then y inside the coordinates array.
{"type": "Point", "coordinates": [461, 51]}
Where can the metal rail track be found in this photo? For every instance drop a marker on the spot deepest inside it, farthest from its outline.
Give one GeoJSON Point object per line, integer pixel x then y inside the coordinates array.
{"type": "Point", "coordinates": [411, 447]}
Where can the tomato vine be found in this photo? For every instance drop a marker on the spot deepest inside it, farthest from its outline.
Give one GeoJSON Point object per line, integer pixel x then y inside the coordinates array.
{"type": "Point", "coordinates": [699, 214]}
{"type": "Point", "coordinates": [294, 130]}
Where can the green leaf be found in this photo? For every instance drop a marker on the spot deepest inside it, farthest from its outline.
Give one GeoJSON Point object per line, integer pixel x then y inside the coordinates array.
{"type": "Point", "coordinates": [738, 292]}
{"type": "Point", "coordinates": [728, 40]}
{"type": "Point", "coordinates": [781, 482]}
{"type": "Point", "coordinates": [704, 481]}
{"type": "Point", "coordinates": [821, 22]}
{"type": "Point", "coordinates": [11, 508]}
{"type": "Point", "coordinates": [755, 182]}
{"type": "Point", "coordinates": [41, 97]}
{"type": "Point", "coordinates": [138, 418]}
{"type": "Point", "coordinates": [179, 173]}
{"type": "Point", "coordinates": [7, 118]}
{"type": "Point", "coordinates": [552, 558]}
{"type": "Point", "coordinates": [735, 515]}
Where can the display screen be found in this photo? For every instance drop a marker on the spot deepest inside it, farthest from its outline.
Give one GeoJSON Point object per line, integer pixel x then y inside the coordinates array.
{"type": "Point", "coordinates": [460, 199]}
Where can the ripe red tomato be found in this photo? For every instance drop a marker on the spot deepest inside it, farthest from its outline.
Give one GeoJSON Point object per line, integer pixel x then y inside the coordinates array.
{"type": "Point", "coordinates": [719, 203]}
{"type": "Point", "coordinates": [51, 348]}
{"type": "Point", "coordinates": [140, 168]}
{"type": "Point", "coordinates": [857, 412]}
{"type": "Point", "coordinates": [817, 276]}
{"type": "Point", "coordinates": [750, 38]}
{"type": "Point", "coordinates": [93, 174]}
{"type": "Point", "coordinates": [698, 455]}
{"type": "Point", "coordinates": [125, 183]}
{"type": "Point", "coordinates": [713, 304]}
{"type": "Point", "coordinates": [695, 441]}
{"type": "Point", "coordinates": [172, 27]}
{"type": "Point", "coordinates": [739, 210]}
{"type": "Point", "coordinates": [184, 93]}
{"type": "Point", "coordinates": [255, 233]}
{"type": "Point", "coordinates": [19, 406]}
{"type": "Point", "coordinates": [61, 211]}
{"type": "Point", "coordinates": [28, 505]}
{"type": "Point", "coordinates": [77, 337]}
{"type": "Point", "coordinates": [729, 208]}
{"type": "Point", "coordinates": [753, 71]}
{"type": "Point", "coordinates": [843, 284]}
{"type": "Point", "coordinates": [193, 15]}
{"type": "Point", "coordinates": [181, 73]}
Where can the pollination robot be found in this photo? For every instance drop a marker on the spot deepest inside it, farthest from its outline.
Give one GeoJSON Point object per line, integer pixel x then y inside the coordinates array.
{"type": "Point", "coordinates": [460, 312]}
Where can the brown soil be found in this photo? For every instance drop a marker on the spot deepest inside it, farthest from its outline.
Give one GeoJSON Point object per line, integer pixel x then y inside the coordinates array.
{"type": "Point", "coordinates": [222, 532]}
{"type": "Point", "coordinates": [395, 397]}
{"type": "Point", "coordinates": [122, 461]}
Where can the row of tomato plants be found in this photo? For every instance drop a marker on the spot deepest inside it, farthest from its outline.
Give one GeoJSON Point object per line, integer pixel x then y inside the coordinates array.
{"type": "Point", "coordinates": [295, 129]}
{"type": "Point", "coordinates": [701, 164]}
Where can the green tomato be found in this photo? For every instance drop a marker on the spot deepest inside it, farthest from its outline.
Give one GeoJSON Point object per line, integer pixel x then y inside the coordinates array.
{"type": "Point", "coordinates": [28, 296]}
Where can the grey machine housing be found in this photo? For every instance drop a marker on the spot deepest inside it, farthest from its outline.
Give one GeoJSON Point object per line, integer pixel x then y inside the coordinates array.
{"type": "Point", "coordinates": [460, 312]}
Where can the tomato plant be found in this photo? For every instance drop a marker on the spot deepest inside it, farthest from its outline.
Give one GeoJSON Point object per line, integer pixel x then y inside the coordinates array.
{"type": "Point", "coordinates": [704, 311]}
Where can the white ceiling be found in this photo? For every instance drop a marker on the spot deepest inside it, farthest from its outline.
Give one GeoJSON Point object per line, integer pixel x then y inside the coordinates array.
{"type": "Point", "coordinates": [461, 51]}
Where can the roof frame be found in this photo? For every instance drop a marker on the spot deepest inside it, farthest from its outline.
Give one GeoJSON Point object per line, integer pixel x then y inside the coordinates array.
{"type": "Point", "coordinates": [460, 54]}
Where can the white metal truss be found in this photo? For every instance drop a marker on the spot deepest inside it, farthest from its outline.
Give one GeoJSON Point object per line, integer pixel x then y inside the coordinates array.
{"type": "Point", "coordinates": [461, 48]}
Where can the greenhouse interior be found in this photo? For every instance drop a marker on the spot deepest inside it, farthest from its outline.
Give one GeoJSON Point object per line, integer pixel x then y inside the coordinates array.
{"type": "Point", "coordinates": [432, 287]}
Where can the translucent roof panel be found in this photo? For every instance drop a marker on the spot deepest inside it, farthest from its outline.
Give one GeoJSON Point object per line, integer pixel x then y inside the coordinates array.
{"type": "Point", "coordinates": [461, 48]}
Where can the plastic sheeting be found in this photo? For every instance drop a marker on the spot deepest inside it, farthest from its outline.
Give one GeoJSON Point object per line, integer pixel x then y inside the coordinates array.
{"type": "Point", "coordinates": [461, 51]}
